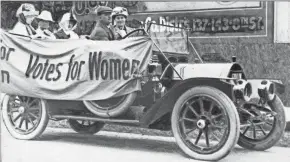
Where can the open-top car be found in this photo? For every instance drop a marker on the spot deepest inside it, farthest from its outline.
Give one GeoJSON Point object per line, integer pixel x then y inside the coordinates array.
{"type": "Point", "coordinates": [209, 107]}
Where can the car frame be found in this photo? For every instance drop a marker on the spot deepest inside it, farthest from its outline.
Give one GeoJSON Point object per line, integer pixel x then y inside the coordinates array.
{"type": "Point", "coordinates": [208, 106]}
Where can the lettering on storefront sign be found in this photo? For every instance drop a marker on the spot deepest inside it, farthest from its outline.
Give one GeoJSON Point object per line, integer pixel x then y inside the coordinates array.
{"type": "Point", "coordinates": [225, 24]}
{"type": "Point", "coordinates": [207, 25]}
{"type": "Point", "coordinates": [85, 7]}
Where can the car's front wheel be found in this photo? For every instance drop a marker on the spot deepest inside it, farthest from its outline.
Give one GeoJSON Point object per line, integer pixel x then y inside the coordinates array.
{"type": "Point", "coordinates": [205, 123]}
{"type": "Point", "coordinates": [265, 127]}
{"type": "Point", "coordinates": [24, 117]}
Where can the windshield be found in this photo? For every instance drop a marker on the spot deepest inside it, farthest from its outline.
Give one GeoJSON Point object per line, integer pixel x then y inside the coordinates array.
{"type": "Point", "coordinates": [168, 38]}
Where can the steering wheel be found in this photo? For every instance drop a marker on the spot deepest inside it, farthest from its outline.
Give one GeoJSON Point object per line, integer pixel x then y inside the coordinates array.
{"type": "Point", "coordinates": [135, 33]}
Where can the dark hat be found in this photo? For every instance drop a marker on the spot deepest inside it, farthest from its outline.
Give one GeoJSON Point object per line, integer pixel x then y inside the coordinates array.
{"type": "Point", "coordinates": [103, 9]}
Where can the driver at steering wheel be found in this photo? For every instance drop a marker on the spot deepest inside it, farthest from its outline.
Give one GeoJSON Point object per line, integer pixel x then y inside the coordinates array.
{"type": "Point", "coordinates": [119, 17]}
{"type": "Point", "coordinates": [101, 30]}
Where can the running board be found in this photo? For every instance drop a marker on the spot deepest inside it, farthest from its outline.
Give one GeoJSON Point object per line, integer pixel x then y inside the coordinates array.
{"type": "Point", "coordinates": [105, 120]}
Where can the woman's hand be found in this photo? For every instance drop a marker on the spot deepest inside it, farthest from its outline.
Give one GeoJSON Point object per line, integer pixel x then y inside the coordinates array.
{"type": "Point", "coordinates": [49, 34]}
{"type": "Point", "coordinates": [121, 33]}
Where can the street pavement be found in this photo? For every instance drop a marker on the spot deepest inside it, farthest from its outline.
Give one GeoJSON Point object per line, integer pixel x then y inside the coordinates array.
{"type": "Point", "coordinates": [63, 145]}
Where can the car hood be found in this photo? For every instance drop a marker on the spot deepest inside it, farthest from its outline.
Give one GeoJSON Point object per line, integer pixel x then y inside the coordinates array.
{"type": "Point", "coordinates": [206, 70]}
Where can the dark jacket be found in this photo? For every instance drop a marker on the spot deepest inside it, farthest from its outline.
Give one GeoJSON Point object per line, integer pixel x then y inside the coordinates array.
{"type": "Point", "coordinates": [61, 35]}
{"type": "Point", "coordinates": [102, 32]}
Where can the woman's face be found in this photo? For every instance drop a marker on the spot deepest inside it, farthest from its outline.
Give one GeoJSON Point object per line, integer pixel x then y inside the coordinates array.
{"type": "Point", "coordinates": [29, 19]}
{"type": "Point", "coordinates": [120, 20]}
{"type": "Point", "coordinates": [43, 24]}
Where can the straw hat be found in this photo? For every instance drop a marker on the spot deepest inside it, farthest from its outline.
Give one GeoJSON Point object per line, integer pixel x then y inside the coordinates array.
{"type": "Point", "coordinates": [45, 15]}
{"type": "Point", "coordinates": [27, 9]}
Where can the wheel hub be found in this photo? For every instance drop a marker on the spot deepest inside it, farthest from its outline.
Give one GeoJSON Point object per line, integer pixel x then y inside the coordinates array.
{"type": "Point", "coordinates": [201, 124]}
{"type": "Point", "coordinates": [21, 110]}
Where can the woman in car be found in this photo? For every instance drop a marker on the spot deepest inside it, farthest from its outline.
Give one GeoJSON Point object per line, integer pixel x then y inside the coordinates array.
{"type": "Point", "coordinates": [25, 14]}
{"type": "Point", "coordinates": [44, 22]}
{"type": "Point", "coordinates": [67, 26]}
{"type": "Point", "coordinates": [119, 17]}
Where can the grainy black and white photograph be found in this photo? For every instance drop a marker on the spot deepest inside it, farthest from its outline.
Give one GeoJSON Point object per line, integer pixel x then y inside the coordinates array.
{"type": "Point", "coordinates": [127, 81]}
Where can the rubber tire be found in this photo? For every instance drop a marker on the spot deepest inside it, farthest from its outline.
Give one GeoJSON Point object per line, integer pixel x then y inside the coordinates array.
{"type": "Point", "coordinates": [33, 135]}
{"type": "Point", "coordinates": [276, 133]}
{"type": "Point", "coordinates": [120, 109]}
{"type": "Point", "coordinates": [77, 127]}
{"type": "Point", "coordinates": [233, 120]}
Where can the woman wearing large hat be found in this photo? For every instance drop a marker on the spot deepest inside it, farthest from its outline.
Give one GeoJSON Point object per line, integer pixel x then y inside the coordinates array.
{"type": "Point", "coordinates": [44, 22]}
{"type": "Point", "coordinates": [119, 17]}
{"type": "Point", "coordinates": [25, 14]}
{"type": "Point", "coordinates": [67, 24]}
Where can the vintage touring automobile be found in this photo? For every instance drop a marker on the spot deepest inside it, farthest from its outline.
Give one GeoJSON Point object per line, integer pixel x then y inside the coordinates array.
{"type": "Point", "coordinates": [209, 107]}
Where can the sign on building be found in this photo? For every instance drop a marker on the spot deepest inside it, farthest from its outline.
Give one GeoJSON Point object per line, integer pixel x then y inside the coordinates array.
{"type": "Point", "coordinates": [217, 19]}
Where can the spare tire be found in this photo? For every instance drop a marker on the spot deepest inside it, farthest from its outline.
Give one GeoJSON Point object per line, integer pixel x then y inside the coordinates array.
{"type": "Point", "coordinates": [111, 107]}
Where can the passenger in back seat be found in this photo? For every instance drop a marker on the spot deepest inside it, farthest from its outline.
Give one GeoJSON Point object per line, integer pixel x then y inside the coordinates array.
{"type": "Point", "coordinates": [44, 22]}
{"type": "Point", "coordinates": [26, 13]}
{"type": "Point", "coordinates": [67, 25]}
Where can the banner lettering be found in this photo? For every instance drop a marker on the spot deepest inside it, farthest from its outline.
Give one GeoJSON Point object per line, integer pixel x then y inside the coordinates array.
{"type": "Point", "coordinates": [72, 69]}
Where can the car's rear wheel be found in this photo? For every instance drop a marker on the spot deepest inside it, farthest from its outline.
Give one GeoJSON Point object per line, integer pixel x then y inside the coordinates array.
{"type": "Point", "coordinates": [265, 127]}
{"type": "Point", "coordinates": [205, 123]}
{"type": "Point", "coordinates": [85, 126]}
{"type": "Point", "coordinates": [24, 117]}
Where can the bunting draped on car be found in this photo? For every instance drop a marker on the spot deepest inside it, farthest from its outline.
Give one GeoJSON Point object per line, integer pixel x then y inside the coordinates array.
{"type": "Point", "coordinates": [71, 69]}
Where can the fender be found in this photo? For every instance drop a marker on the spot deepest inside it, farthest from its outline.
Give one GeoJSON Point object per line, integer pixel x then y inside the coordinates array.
{"type": "Point", "coordinates": [165, 104]}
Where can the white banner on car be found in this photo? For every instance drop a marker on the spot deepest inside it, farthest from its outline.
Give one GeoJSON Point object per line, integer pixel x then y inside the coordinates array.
{"type": "Point", "coordinates": [72, 69]}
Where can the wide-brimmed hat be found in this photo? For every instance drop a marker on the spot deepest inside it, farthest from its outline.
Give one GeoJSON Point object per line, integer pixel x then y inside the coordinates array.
{"type": "Point", "coordinates": [103, 9]}
{"type": "Point", "coordinates": [66, 18]}
{"type": "Point", "coordinates": [27, 9]}
{"type": "Point", "coordinates": [45, 15]}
